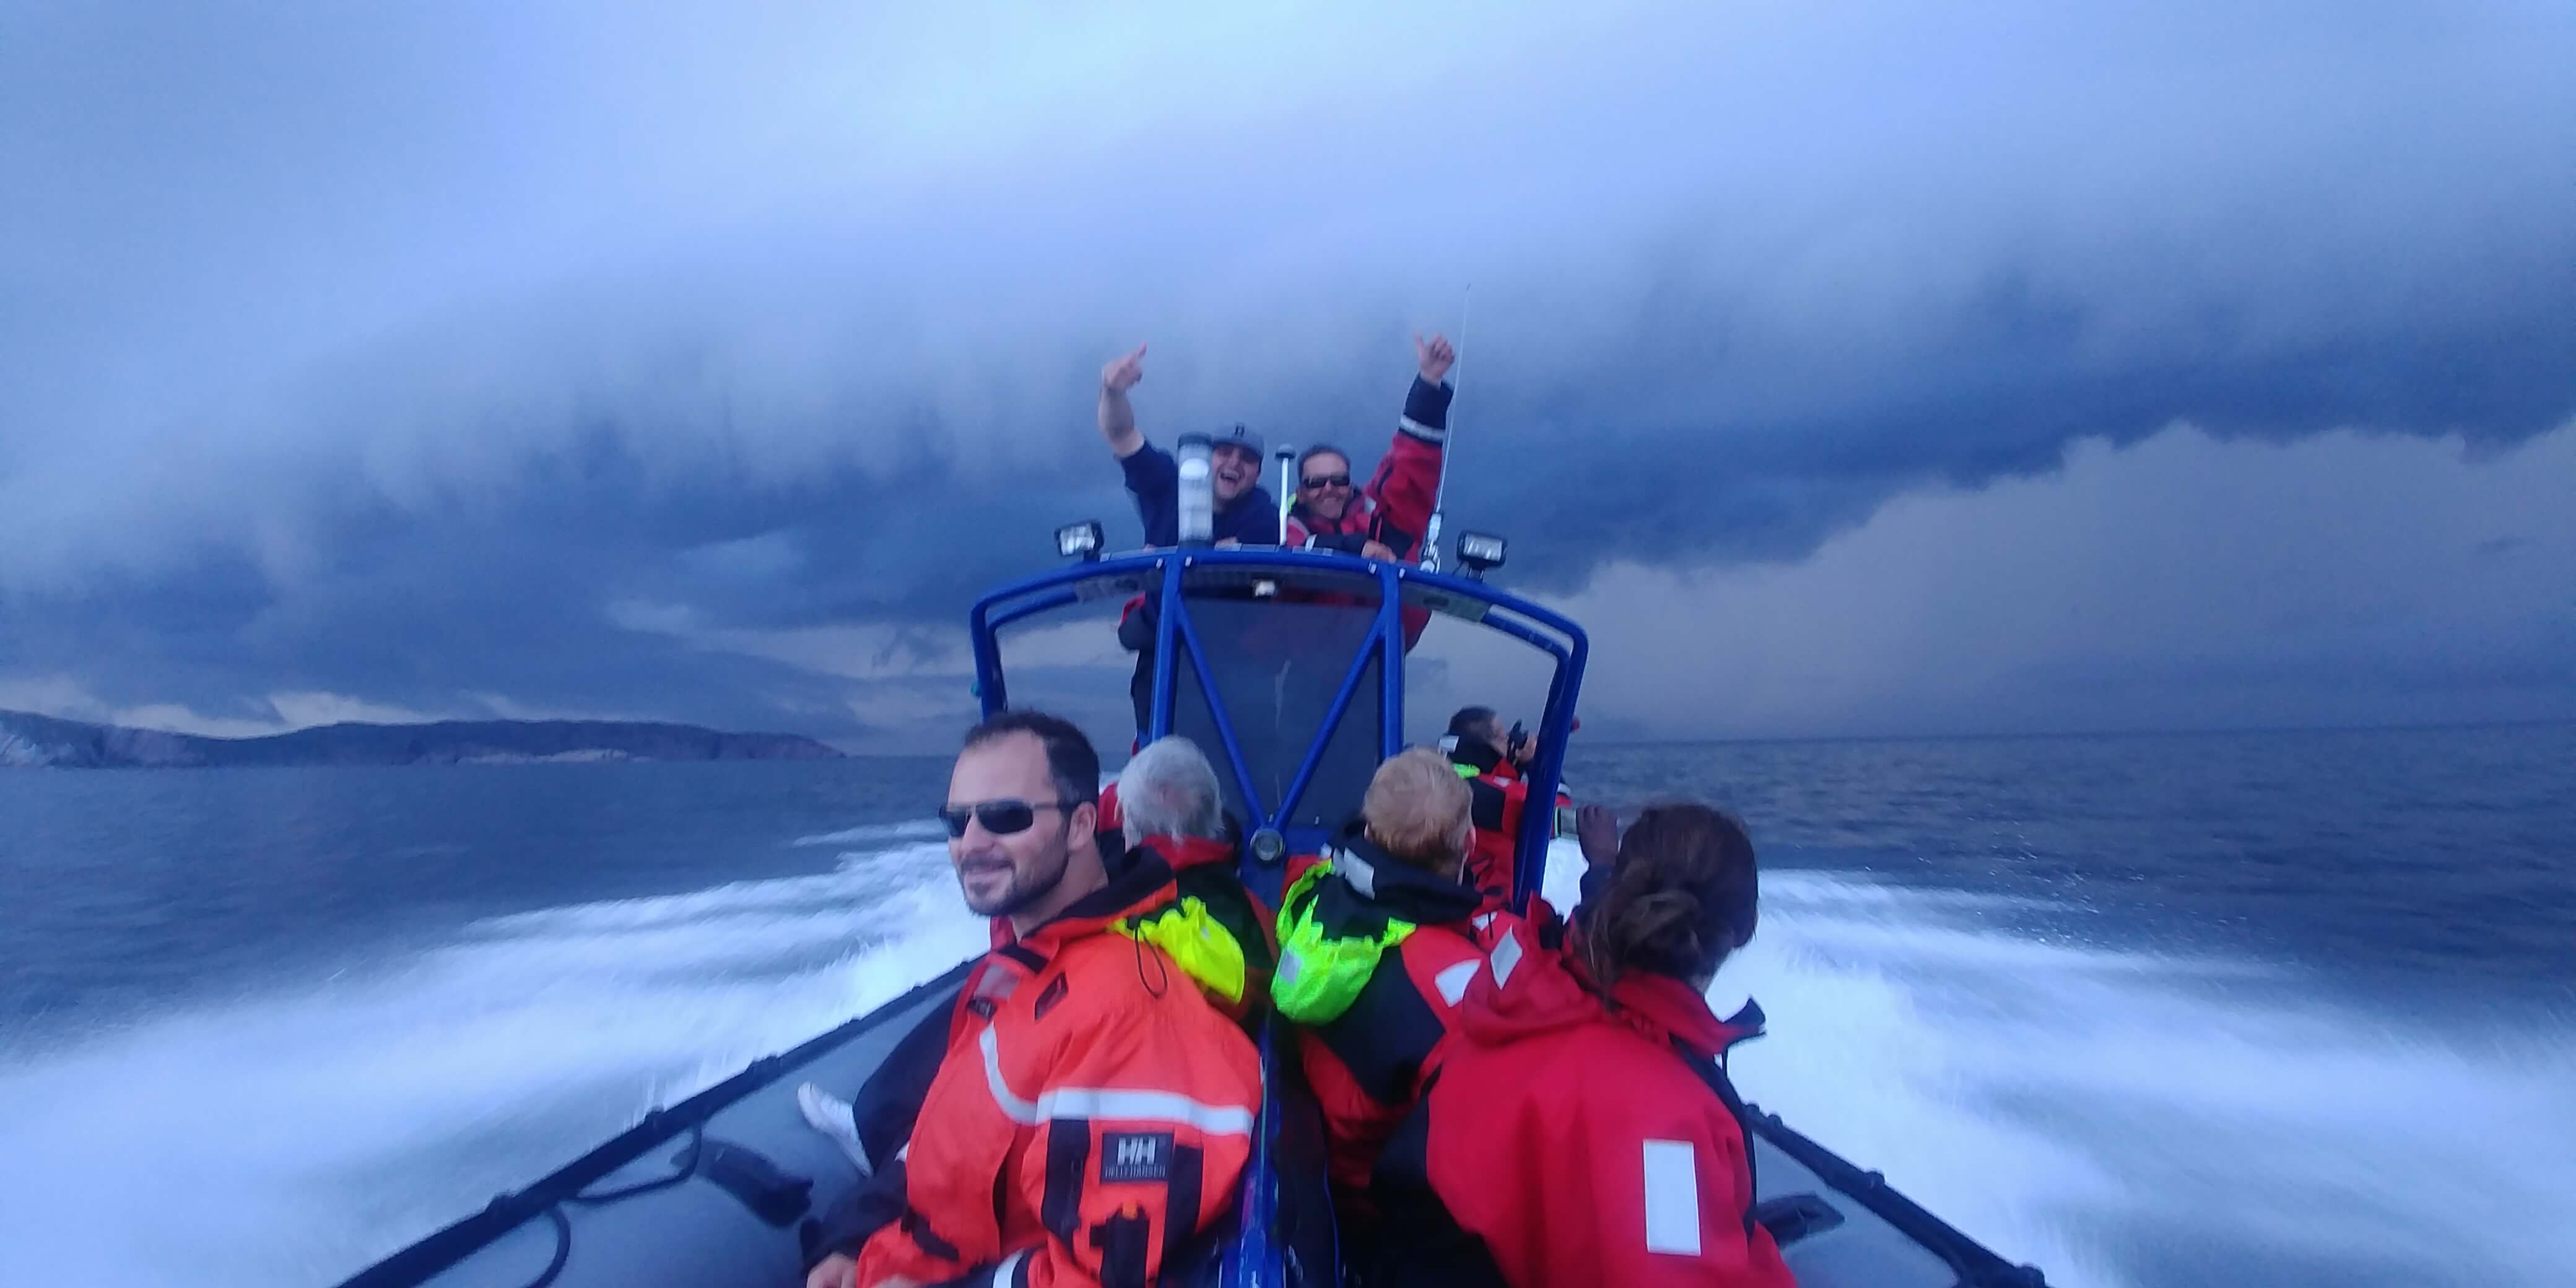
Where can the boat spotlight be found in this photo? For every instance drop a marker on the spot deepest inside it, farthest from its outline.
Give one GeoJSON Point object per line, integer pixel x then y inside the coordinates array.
{"type": "Point", "coordinates": [1079, 540]}
{"type": "Point", "coordinates": [1479, 553]}
{"type": "Point", "coordinates": [1197, 489]}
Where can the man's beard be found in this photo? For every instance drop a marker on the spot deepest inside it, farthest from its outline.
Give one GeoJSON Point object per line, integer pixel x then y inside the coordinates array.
{"type": "Point", "coordinates": [1025, 888]}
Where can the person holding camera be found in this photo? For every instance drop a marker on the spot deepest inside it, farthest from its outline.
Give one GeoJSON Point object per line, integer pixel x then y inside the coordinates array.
{"type": "Point", "coordinates": [1494, 761]}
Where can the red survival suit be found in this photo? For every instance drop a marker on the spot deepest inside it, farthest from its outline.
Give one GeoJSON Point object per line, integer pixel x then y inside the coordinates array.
{"type": "Point", "coordinates": [1093, 1112]}
{"type": "Point", "coordinates": [1213, 909]}
{"type": "Point", "coordinates": [1498, 794]}
{"type": "Point", "coordinates": [1571, 1142]}
{"type": "Point", "coordinates": [1373, 955]}
{"type": "Point", "coordinates": [1394, 508]}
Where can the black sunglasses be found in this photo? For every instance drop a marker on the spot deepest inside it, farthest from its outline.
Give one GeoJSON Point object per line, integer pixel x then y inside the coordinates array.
{"type": "Point", "coordinates": [1327, 480]}
{"type": "Point", "coordinates": [1001, 818]}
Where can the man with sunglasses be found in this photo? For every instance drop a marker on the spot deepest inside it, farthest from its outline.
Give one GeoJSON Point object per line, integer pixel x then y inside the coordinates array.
{"type": "Point", "coordinates": [1094, 1109]}
{"type": "Point", "coordinates": [1245, 512]}
{"type": "Point", "coordinates": [1386, 518]}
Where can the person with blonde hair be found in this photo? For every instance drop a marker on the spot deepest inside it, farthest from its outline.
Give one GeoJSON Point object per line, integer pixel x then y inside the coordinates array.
{"type": "Point", "coordinates": [1377, 943]}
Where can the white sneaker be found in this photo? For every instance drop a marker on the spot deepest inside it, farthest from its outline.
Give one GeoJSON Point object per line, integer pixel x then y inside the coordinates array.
{"type": "Point", "coordinates": [831, 1115]}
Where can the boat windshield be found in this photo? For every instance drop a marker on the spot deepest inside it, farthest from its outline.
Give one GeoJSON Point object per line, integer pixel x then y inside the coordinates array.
{"type": "Point", "coordinates": [1269, 658]}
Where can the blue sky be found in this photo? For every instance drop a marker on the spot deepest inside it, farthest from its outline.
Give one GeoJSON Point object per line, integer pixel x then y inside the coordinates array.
{"type": "Point", "coordinates": [1857, 368]}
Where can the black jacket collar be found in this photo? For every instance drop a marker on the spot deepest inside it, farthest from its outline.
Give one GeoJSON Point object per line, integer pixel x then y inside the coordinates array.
{"type": "Point", "coordinates": [1476, 753]}
{"type": "Point", "coordinates": [1371, 885]}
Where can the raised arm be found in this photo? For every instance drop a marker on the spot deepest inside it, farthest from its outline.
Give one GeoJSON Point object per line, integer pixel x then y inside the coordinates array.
{"type": "Point", "coordinates": [1153, 478]}
{"type": "Point", "coordinates": [1432, 359]}
{"type": "Point", "coordinates": [1117, 415]}
{"type": "Point", "coordinates": [1407, 482]}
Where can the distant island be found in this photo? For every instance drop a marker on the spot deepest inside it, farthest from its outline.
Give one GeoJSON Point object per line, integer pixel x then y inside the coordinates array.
{"type": "Point", "coordinates": [34, 741]}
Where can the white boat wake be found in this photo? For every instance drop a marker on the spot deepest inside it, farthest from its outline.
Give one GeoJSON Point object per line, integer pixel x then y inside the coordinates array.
{"type": "Point", "coordinates": [2119, 1118]}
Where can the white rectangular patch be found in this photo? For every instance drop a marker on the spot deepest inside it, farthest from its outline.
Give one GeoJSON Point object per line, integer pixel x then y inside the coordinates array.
{"type": "Point", "coordinates": [1672, 1198]}
{"type": "Point", "coordinates": [1453, 982]}
{"type": "Point", "coordinates": [1506, 955]}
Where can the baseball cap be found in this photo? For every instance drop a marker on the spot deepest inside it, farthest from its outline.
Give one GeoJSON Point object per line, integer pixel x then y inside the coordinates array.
{"type": "Point", "coordinates": [1238, 436]}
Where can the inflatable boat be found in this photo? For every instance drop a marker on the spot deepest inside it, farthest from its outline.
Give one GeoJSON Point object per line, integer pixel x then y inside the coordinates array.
{"type": "Point", "coordinates": [1288, 668]}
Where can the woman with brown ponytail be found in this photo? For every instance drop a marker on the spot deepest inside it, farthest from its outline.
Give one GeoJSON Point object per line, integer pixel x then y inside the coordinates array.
{"type": "Point", "coordinates": [1581, 1129]}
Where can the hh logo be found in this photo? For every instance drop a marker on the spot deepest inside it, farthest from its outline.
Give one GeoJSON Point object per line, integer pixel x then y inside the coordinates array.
{"type": "Point", "coordinates": [1134, 1157]}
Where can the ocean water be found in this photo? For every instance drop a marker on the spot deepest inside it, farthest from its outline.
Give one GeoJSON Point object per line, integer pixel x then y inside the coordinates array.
{"type": "Point", "coordinates": [2286, 1008]}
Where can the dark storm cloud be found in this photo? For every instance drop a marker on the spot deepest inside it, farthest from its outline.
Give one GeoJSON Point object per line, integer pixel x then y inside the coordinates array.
{"type": "Point", "coordinates": [2184, 582]}
{"type": "Point", "coordinates": [567, 356]}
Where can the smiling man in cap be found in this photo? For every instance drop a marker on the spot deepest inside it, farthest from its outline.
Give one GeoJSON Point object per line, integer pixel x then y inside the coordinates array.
{"type": "Point", "coordinates": [1245, 511]}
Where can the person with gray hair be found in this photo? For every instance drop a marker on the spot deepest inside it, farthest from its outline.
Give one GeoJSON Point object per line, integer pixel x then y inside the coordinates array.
{"type": "Point", "coordinates": [1171, 810]}
{"type": "Point", "coordinates": [1170, 789]}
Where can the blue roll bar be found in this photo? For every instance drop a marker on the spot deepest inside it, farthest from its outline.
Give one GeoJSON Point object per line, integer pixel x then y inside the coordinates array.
{"type": "Point", "coordinates": [1161, 574]}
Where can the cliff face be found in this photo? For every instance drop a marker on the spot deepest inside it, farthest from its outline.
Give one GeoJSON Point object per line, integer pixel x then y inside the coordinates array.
{"type": "Point", "coordinates": [33, 740]}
